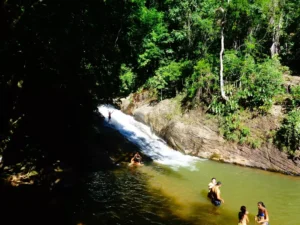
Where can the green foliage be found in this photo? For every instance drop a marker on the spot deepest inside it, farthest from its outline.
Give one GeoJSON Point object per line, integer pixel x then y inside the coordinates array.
{"type": "Point", "coordinates": [158, 35]}
{"type": "Point", "coordinates": [251, 46]}
{"type": "Point", "coordinates": [127, 78]}
{"type": "Point", "coordinates": [249, 84]}
{"type": "Point", "coordinates": [220, 107]}
{"type": "Point", "coordinates": [120, 46]}
{"type": "Point", "coordinates": [167, 77]}
{"type": "Point", "coordinates": [156, 82]}
{"type": "Point", "coordinates": [216, 106]}
{"type": "Point", "coordinates": [260, 84]}
{"type": "Point", "coordinates": [171, 72]}
{"type": "Point", "coordinates": [232, 66]}
{"type": "Point", "coordinates": [288, 136]}
{"type": "Point", "coordinates": [202, 80]}
{"type": "Point", "coordinates": [234, 130]}
{"type": "Point", "coordinates": [296, 96]}
{"type": "Point", "coordinates": [254, 143]}
{"type": "Point", "coordinates": [152, 49]}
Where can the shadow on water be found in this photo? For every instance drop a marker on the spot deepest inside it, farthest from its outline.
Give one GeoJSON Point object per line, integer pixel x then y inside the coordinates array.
{"type": "Point", "coordinates": [211, 215]}
{"type": "Point", "coordinates": [106, 196]}
{"type": "Point", "coordinates": [89, 195]}
{"type": "Point", "coordinates": [167, 171]}
{"type": "Point", "coordinates": [103, 193]}
{"type": "Point", "coordinates": [122, 197]}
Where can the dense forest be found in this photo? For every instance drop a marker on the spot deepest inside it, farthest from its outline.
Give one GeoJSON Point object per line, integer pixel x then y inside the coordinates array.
{"type": "Point", "coordinates": [61, 59]}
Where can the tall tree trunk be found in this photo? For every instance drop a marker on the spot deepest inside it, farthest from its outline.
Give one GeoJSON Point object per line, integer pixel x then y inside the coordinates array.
{"type": "Point", "coordinates": [189, 28]}
{"type": "Point", "coordinates": [223, 20]}
{"type": "Point", "coordinates": [276, 35]}
{"type": "Point", "coordinates": [221, 65]}
{"type": "Point", "coordinates": [276, 20]}
{"type": "Point", "coordinates": [198, 94]}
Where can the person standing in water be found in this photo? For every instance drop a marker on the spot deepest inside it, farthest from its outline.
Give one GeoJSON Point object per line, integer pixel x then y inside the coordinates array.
{"type": "Point", "coordinates": [263, 216]}
{"type": "Point", "coordinates": [243, 216]}
{"type": "Point", "coordinates": [216, 194]}
{"type": "Point", "coordinates": [211, 185]}
{"type": "Point", "coordinates": [109, 115]}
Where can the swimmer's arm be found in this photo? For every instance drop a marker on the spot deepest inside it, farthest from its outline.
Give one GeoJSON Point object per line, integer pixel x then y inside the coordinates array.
{"type": "Point", "coordinates": [267, 216]}
{"type": "Point", "coordinates": [247, 218]}
{"type": "Point", "coordinates": [219, 197]}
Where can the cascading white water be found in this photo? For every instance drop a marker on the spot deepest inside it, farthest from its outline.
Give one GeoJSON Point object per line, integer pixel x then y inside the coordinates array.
{"type": "Point", "coordinates": [147, 141]}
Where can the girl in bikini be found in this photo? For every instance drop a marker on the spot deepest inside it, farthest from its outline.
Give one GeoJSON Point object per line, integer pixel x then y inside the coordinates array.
{"type": "Point", "coordinates": [243, 216]}
{"type": "Point", "coordinates": [263, 215]}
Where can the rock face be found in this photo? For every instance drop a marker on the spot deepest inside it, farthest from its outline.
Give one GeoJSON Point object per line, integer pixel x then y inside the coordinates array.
{"type": "Point", "coordinates": [191, 133]}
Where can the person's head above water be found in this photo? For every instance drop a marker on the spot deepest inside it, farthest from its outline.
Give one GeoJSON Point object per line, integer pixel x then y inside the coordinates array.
{"type": "Point", "coordinates": [213, 180]}
{"type": "Point", "coordinates": [243, 209]}
{"type": "Point", "coordinates": [219, 183]}
{"type": "Point", "coordinates": [242, 212]}
{"type": "Point", "coordinates": [261, 205]}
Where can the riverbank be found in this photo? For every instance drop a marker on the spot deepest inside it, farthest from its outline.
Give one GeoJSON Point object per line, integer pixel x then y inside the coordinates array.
{"type": "Point", "coordinates": [196, 133]}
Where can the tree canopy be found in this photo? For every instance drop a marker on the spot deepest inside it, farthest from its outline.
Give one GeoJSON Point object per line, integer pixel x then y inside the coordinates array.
{"type": "Point", "coordinates": [61, 59]}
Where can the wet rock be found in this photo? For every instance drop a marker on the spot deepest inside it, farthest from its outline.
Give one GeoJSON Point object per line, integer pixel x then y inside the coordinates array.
{"type": "Point", "coordinates": [191, 133]}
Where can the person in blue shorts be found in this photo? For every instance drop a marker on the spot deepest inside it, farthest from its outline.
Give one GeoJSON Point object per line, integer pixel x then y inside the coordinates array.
{"type": "Point", "coordinates": [216, 195]}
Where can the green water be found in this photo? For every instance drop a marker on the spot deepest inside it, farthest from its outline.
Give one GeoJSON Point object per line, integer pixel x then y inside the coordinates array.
{"type": "Point", "coordinates": [157, 194]}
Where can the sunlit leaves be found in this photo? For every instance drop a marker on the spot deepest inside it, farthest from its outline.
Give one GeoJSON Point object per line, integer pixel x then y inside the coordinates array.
{"type": "Point", "coordinates": [288, 136]}
{"type": "Point", "coordinates": [20, 84]}
{"type": "Point", "coordinates": [261, 83]}
{"type": "Point", "coordinates": [127, 78]}
{"type": "Point", "coordinates": [203, 78]}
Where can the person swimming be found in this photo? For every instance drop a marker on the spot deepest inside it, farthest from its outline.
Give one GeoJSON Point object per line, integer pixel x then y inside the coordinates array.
{"type": "Point", "coordinates": [216, 194]}
{"type": "Point", "coordinates": [262, 216]}
{"type": "Point", "coordinates": [243, 216]}
{"type": "Point", "coordinates": [136, 159]}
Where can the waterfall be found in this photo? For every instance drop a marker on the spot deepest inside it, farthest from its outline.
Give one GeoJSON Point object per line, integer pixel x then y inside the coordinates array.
{"type": "Point", "coordinates": [142, 136]}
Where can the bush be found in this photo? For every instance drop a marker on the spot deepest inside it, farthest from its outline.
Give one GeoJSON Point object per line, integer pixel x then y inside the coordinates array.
{"type": "Point", "coordinates": [203, 81]}
{"type": "Point", "coordinates": [219, 107]}
{"type": "Point", "coordinates": [233, 130]}
{"type": "Point", "coordinates": [127, 78]}
{"type": "Point", "coordinates": [168, 79]}
{"type": "Point", "coordinates": [260, 84]}
{"type": "Point", "coordinates": [296, 96]}
{"type": "Point", "coordinates": [288, 136]}
{"type": "Point", "coordinates": [254, 143]}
